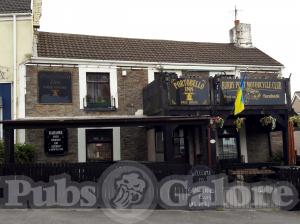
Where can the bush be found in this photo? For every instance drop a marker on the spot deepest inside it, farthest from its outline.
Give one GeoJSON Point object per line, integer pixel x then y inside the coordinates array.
{"type": "Point", "coordinates": [24, 153]}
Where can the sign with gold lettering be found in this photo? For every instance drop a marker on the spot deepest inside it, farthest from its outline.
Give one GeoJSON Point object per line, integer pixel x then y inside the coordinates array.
{"type": "Point", "coordinates": [257, 91]}
{"type": "Point", "coordinates": [55, 87]}
{"type": "Point", "coordinates": [189, 91]}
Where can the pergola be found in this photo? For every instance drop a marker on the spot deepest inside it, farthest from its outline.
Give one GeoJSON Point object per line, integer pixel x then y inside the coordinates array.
{"type": "Point", "coordinates": [80, 122]}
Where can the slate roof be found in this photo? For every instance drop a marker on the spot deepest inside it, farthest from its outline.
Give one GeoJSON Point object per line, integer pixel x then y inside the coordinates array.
{"type": "Point", "coordinates": [15, 6]}
{"type": "Point", "coordinates": [75, 46]}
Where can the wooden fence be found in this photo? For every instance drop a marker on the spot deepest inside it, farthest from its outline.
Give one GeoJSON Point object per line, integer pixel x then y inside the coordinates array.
{"type": "Point", "coordinates": [80, 172]}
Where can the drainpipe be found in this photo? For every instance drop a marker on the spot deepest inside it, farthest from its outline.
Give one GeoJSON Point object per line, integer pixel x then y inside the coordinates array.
{"type": "Point", "coordinates": [14, 66]}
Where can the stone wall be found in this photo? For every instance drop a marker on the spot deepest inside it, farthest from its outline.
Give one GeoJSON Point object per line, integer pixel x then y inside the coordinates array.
{"type": "Point", "coordinates": [129, 97]}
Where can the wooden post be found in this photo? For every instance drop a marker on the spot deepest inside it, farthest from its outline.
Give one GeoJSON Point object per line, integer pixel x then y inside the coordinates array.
{"type": "Point", "coordinates": [285, 142]}
{"type": "Point", "coordinates": [168, 142]}
{"type": "Point", "coordinates": [9, 145]}
{"type": "Point", "coordinates": [213, 147]}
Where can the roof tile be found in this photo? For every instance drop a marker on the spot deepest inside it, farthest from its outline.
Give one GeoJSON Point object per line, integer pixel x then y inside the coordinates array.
{"type": "Point", "coordinates": [75, 46]}
{"type": "Point", "coordinates": [15, 6]}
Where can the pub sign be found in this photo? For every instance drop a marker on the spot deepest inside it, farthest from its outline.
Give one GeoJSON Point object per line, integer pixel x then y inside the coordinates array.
{"type": "Point", "coordinates": [55, 87]}
{"type": "Point", "coordinates": [189, 91]}
{"type": "Point", "coordinates": [56, 141]}
{"type": "Point", "coordinates": [256, 92]}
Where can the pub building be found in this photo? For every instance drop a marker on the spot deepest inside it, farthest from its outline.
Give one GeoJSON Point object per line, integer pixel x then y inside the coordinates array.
{"type": "Point", "coordinates": [80, 77]}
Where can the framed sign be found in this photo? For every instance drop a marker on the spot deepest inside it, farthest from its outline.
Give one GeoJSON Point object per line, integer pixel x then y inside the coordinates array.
{"type": "Point", "coordinates": [189, 91]}
{"type": "Point", "coordinates": [56, 141]}
{"type": "Point", "coordinates": [54, 87]}
{"type": "Point", "coordinates": [256, 92]}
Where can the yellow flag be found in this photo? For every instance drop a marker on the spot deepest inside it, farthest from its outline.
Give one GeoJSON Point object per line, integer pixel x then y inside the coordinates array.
{"type": "Point", "coordinates": [239, 105]}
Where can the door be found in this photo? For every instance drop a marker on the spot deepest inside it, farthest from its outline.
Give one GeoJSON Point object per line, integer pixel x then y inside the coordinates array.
{"type": "Point", "coordinates": [5, 104]}
{"type": "Point", "coordinates": [5, 94]}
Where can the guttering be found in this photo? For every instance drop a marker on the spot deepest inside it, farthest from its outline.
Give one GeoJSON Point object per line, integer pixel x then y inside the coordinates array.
{"type": "Point", "coordinates": [17, 14]}
{"type": "Point", "coordinates": [165, 65]}
{"type": "Point", "coordinates": [15, 65]}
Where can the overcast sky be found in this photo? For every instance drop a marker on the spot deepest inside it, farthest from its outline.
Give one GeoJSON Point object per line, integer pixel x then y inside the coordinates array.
{"type": "Point", "coordinates": [275, 24]}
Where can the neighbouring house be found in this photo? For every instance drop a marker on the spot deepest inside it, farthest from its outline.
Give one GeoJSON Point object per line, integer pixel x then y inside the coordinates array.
{"type": "Point", "coordinates": [18, 19]}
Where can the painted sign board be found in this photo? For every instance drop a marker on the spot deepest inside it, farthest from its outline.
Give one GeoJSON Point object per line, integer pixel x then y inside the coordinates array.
{"type": "Point", "coordinates": [256, 92]}
{"type": "Point", "coordinates": [55, 87]}
{"type": "Point", "coordinates": [189, 91]}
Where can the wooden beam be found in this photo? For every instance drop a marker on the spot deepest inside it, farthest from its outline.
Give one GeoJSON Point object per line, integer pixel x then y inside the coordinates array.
{"type": "Point", "coordinates": [9, 145]}
{"type": "Point", "coordinates": [168, 142]}
{"type": "Point", "coordinates": [285, 142]}
{"type": "Point", "coordinates": [40, 123]}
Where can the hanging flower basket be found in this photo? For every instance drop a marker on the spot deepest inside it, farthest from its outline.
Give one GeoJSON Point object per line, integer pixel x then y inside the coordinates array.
{"type": "Point", "coordinates": [217, 122]}
{"type": "Point", "coordinates": [268, 122]}
{"type": "Point", "coordinates": [239, 123]}
{"type": "Point", "coordinates": [296, 120]}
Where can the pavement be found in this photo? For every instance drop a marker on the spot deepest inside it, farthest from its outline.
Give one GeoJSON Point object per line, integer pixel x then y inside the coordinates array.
{"type": "Point", "coordinates": [91, 216]}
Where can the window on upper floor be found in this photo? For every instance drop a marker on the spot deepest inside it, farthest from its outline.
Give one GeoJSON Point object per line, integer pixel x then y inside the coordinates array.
{"type": "Point", "coordinates": [98, 89]}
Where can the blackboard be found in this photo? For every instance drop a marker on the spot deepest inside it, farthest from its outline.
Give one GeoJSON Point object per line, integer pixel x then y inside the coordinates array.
{"type": "Point", "coordinates": [55, 87]}
{"type": "Point", "coordinates": [56, 141]}
{"type": "Point", "coordinates": [201, 173]}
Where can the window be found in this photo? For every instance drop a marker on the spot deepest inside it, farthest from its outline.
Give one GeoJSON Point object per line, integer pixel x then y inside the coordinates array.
{"type": "Point", "coordinates": [99, 144]}
{"type": "Point", "coordinates": [103, 95]}
{"type": "Point", "coordinates": [227, 144]}
{"type": "Point", "coordinates": [98, 90]}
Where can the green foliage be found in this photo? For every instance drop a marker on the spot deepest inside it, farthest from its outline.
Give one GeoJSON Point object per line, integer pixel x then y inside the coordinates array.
{"type": "Point", "coordinates": [218, 122]}
{"type": "Point", "coordinates": [296, 120]}
{"type": "Point", "coordinates": [239, 123]}
{"type": "Point", "coordinates": [268, 121]}
{"type": "Point", "coordinates": [24, 153]}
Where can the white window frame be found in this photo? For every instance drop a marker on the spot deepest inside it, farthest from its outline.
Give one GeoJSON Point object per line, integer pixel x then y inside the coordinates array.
{"type": "Point", "coordinates": [113, 82]}
{"type": "Point", "coordinates": [82, 143]}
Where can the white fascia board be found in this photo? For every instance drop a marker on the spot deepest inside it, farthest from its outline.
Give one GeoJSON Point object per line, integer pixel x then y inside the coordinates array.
{"type": "Point", "coordinates": [19, 16]}
{"type": "Point", "coordinates": [295, 97]}
{"type": "Point", "coordinates": [157, 65]}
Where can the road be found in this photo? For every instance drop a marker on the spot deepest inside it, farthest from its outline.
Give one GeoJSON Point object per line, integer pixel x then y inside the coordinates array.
{"type": "Point", "coordinates": [91, 216]}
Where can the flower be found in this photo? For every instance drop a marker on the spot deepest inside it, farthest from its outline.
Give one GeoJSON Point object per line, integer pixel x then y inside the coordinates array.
{"type": "Point", "coordinates": [267, 121]}
{"type": "Point", "coordinates": [296, 120]}
{"type": "Point", "coordinates": [239, 123]}
{"type": "Point", "coordinates": [218, 122]}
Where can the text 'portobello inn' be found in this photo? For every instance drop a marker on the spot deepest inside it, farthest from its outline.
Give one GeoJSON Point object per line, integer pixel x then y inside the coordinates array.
{"type": "Point", "coordinates": [80, 79]}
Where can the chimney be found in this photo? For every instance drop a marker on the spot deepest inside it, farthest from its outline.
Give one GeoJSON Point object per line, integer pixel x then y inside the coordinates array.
{"type": "Point", "coordinates": [240, 34]}
{"type": "Point", "coordinates": [36, 12]}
